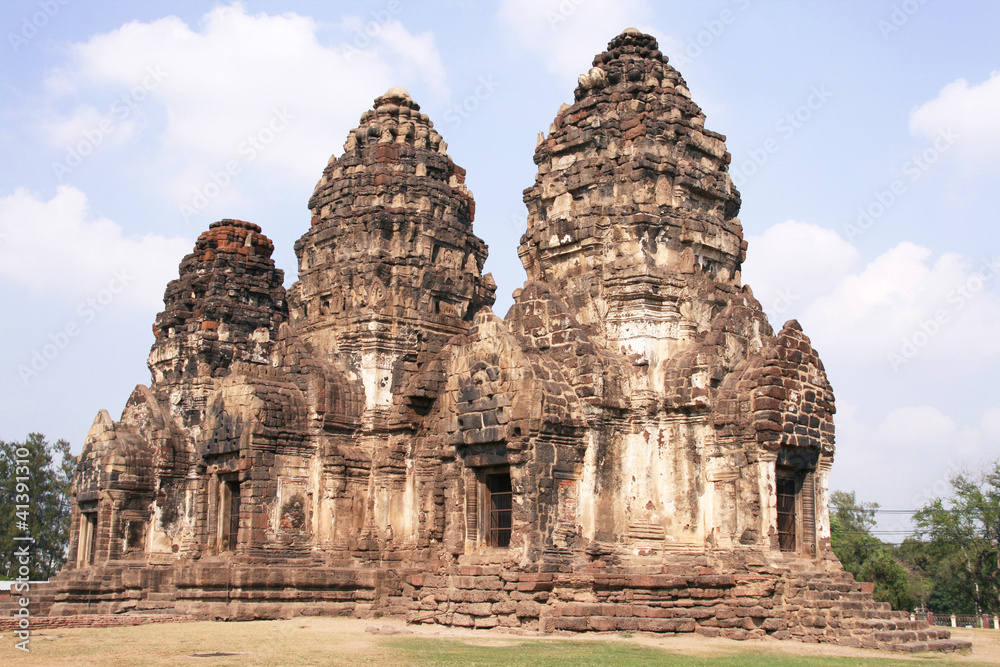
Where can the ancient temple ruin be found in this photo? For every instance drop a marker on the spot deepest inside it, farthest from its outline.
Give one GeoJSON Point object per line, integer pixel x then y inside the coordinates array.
{"type": "Point", "coordinates": [632, 447]}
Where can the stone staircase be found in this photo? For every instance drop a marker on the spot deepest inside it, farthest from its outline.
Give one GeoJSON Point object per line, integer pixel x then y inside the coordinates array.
{"type": "Point", "coordinates": [803, 600]}
{"type": "Point", "coordinates": [832, 607]}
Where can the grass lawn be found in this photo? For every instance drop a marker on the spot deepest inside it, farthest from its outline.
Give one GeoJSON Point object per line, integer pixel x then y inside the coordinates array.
{"type": "Point", "coordinates": [330, 641]}
{"type": "Point", "coordinates": [418, 651]}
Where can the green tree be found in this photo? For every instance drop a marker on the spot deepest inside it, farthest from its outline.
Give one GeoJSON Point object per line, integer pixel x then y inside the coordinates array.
{"type": "Point", "coordinates": [920, 561]}
{"type": "Point", "coordinates": [864, 555]}
{"type": "Point", "coordinates": [891, 579]}
{"type": "Point", "coordinates": [851, 523]}
{"type": "Point", "coordinates": [35, 482]}
{"type": "Point", "coordinates": [963, 534]}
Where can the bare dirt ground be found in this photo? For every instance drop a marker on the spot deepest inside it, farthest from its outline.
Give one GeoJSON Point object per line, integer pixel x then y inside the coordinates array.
{"type": "Point", "coordinates": [336, 641]}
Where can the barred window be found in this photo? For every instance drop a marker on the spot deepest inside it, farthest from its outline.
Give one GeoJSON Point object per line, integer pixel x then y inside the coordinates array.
{"type": "Point", "coordinates": [499, 497]}
{"type": "Point", "coordinates": [229, 514]}
{"type": "Point", "coordinates": [786, 513]}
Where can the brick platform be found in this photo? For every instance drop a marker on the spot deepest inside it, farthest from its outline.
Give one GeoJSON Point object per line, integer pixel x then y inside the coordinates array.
{"type": "Point", "coordinates": [807, 602]}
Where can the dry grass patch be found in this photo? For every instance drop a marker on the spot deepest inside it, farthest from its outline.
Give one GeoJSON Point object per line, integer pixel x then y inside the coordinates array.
{"type": "Point", "coordinates": [332, 641]}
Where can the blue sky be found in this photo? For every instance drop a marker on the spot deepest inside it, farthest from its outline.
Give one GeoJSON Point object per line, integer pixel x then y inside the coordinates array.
{"type": "Point", "coordinates": [865, 141]}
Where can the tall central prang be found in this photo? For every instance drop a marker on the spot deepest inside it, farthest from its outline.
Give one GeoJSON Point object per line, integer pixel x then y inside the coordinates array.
{"type": "Point", "coordinates": [632, 217]}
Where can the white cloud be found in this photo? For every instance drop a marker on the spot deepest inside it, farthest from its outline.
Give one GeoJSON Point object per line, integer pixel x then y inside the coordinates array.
{"type": "Point", "coordinates": [990, 424]}
{"type": "Point", "coordinates": [903, 303]}
{"type": "Point", "coordinates": [946, 307]}
{"type": "Point", "coordinates": [922, 428]}
{"type": "Point", "coordinates": [903, 308]}
{"type": "Point", "coordinates": [416, 54]}
{"type": "Point", "coordinates": [970, 111]}
{"type": "Point", "coordinates": [65, 130]}
{"type": "Point", "coordinates": [793, 263]}
{"type": "Point", "coordinates": [886, 288]}
{"type": "Point", "coordinates": [59, 247]}
{"type": "Point", "coordinates": [907, 458]}
{"type": "Point", "coordinates": [568, 33]}
{"type": "Point", "coordinates": [212, 88]}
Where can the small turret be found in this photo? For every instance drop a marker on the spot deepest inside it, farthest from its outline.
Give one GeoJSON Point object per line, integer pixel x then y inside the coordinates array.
{"type": "Point", "coordinates": [390, 268]}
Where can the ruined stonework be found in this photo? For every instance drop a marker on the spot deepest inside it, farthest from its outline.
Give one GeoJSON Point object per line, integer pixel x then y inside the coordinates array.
{"type": "Point", "coordinates": [632, 447]}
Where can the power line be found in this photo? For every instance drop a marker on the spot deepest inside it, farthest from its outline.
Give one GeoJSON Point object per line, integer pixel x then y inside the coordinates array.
{"type": "Point", "coordinates": [882, 511]}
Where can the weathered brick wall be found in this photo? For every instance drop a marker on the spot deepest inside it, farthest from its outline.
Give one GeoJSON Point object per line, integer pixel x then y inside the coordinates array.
{"type": "Point", "coordinates": [793, 404]}
{"type": "Point", "coordinates": [92, 621]}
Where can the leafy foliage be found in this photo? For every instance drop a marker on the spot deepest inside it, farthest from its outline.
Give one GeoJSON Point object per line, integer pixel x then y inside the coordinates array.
{"type": "Point", "coordinates": [851, 523]}
{"type": "Point", "coordinates": [960, 539]}
{"type": "Point", "coordinates": [864, 555]}
{"type": "Point", "coordinates": [35, 481]}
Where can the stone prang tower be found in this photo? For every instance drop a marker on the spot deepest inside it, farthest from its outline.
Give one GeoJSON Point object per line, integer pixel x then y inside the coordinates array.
{"type": "Point", "coordinates": [632, 447]}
